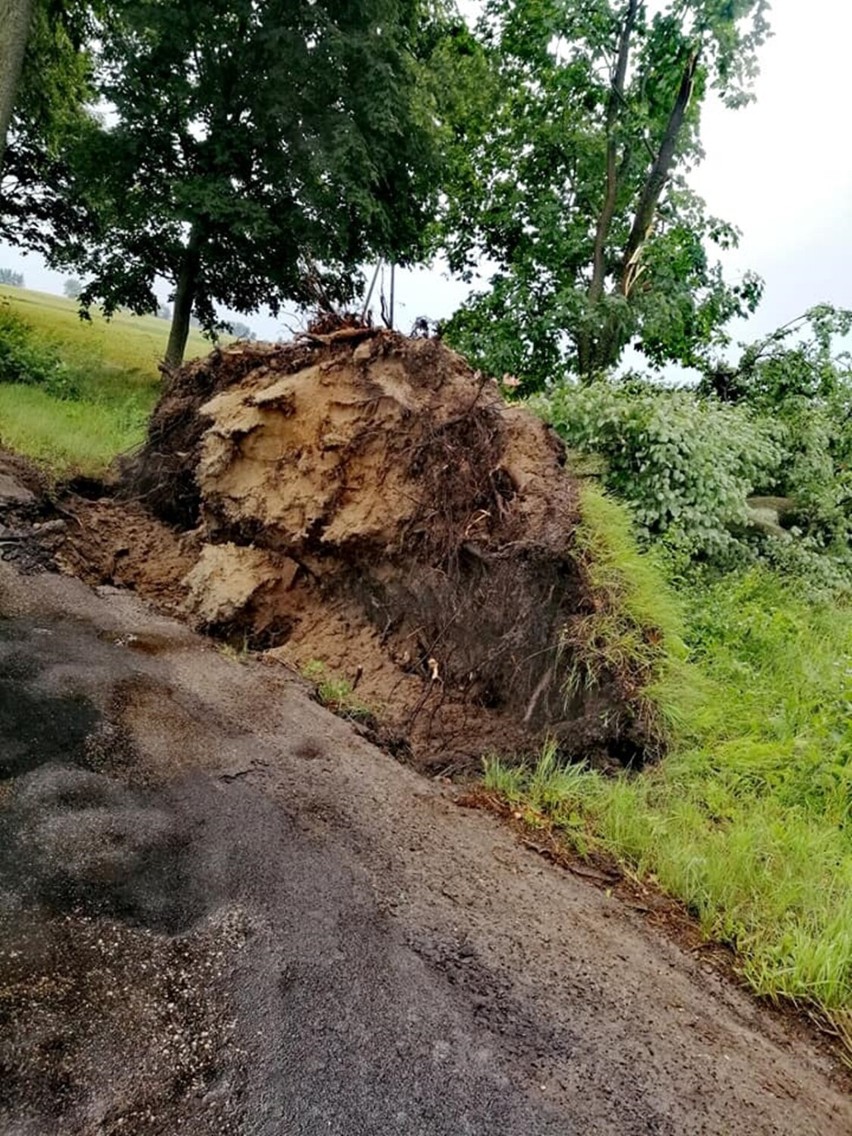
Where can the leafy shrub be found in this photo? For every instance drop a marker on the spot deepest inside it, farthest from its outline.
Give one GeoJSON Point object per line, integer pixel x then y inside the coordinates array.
{"type": "Point", "coordinates": [796, 379]}
{"type": "Point", "coordinates": [24, 360]}
{"type": "Point", "coordinates": [685, 464]}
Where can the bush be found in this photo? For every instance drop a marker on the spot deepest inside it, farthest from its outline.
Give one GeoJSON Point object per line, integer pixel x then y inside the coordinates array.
{"type": "Point", "coordinates": [24, 360]}
{"type": "Point", "coordinates": [795, 379]}
{"type": "Point", "coordinates": [684, 464]}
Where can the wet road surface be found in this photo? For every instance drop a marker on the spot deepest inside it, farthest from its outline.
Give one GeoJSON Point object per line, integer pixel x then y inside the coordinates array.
{"type": "Point", "coordinates": [221, 911]}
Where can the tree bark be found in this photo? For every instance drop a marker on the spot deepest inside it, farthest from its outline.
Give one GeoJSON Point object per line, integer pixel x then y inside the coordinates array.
{"type": "Point", "coordinates": [656, 180]}
{"type": "Point", "coordinates": [15, 20]}
{"type": "Point", "coordinates": [184, 299]}
{"type": "Point", "coordinates": [585, 360]}
{"type": "Point", "coordinates": [616, 96]}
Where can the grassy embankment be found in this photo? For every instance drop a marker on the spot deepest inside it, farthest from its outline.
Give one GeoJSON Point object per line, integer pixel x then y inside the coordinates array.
{"type": "Point", "coordinates": [748, 819]}
{"type": "Point", "coordinates": [90, 386]}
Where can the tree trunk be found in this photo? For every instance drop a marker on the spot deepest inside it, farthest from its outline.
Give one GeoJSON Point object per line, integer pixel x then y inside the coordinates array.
{"type": "Point", "coordinates": [184, 298]}
{"type": "Point", "coordinates": [599, 351]}
{"type": "Point", "coordinates": [616, 97]}
{"type": "Point", "coordinates": [15, 20]}
{"type": "Point", "coordinates": [587, 361]}
{"type": "Point", "coordinates": [656, 180]}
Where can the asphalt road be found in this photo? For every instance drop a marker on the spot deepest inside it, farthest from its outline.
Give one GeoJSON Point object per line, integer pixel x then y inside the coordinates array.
{"type": "Point", "coordinates": [221, 911]}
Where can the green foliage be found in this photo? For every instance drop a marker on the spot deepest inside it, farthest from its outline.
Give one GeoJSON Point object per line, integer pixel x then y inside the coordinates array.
{"type": "Point", "coordinates": [36, 205]}
{"type": "Point", "coordinates": [258, 154]}
{"type": "Point", "coordinates": [794, 377]}
{"type": "Point", "coordinates": [23, 359]}
{"type": "Point", "coordinates": [11, 279]}
{"type": "Point", "coordinates": [749, 819]}
{"type": "Point", "coordinates": [783, 366]}
{"type": "Point", "coordinates": [685, 464]}
{"type": "Point", "coordinates": [633, 628]}
{"type": "Point", "coordinates": [571, 183]}
{"type": "Point", "coordinates": [82, 392]}
{"type": "Point", "coordinates": [335, 693]}
{"type": "Point", "coordinates": [687, 460]}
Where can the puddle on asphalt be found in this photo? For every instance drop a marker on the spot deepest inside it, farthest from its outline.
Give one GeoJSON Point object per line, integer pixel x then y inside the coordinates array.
{"type": "Point", "coordinates": [146, 643]}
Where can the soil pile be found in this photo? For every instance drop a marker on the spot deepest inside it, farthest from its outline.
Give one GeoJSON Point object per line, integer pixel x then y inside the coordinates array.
{"type": "Point", "coordinates": [366, 507]}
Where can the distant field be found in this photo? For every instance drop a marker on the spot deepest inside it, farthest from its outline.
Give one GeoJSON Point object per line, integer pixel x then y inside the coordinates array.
{"type": "Point", "coordinates": [131, 346]}
{"type": "Point", "coordinates": [113, 383]}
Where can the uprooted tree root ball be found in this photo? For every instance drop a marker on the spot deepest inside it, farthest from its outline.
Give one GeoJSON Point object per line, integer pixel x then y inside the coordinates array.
{"type": "Point", "coordinates": [365, 505]}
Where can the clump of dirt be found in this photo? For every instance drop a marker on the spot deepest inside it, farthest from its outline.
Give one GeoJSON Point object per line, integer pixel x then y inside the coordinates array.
{"type": "Point", "coordinates": [366, 506]}
{"type": "Point", "coordinates": [124, 545]}
{"type": "Point", "coordinates": [165, 480]}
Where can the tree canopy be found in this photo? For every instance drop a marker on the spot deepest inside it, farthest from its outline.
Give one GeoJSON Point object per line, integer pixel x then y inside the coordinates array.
{"type": "Point", "coordinates": [46, 107]}
{"type": "Point", "coordinates": [574, 182]}
{"type": "Point", "coordinates": [249, 154]}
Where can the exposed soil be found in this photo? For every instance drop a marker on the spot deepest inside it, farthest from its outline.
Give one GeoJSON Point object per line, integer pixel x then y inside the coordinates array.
{"type": "Point", "coordinates": [124, 545]}
{"type": "Point", "coordinates": [367, 504]}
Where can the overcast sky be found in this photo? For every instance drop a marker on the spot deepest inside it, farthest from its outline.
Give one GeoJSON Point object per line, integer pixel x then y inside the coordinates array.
{"type": "Point", "coordinates": [781, 170]}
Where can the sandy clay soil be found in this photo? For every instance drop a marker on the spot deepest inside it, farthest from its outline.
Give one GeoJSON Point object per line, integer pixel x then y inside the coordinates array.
{"type": "Point", "coordinates": [222, 911]}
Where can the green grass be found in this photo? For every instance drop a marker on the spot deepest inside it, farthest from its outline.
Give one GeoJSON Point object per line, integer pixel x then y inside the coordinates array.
{"type": "Point", "coordinates": [748, 820]}
{"type": "Point", "coordinates": [107, 386]}
{"type": "Point", "coordinates": [335, 693]}
{"type": "Point", "coordinates": [634, 628]}
{"type": "Point", "coordinates": [65, 435]}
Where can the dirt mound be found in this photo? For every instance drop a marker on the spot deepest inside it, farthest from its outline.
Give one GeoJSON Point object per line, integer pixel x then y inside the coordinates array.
{"type": "Point", "coordinates": [368, 508]}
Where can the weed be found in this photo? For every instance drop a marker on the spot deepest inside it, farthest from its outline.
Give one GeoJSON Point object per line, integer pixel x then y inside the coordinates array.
{"type": "Point", "coordinates": [336, 694]}
{"type": "Point", "coordinates": [235, 652]}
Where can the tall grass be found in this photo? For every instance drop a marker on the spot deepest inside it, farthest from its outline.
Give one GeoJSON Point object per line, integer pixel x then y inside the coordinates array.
{"type": "Point", "coordinates": [748, 819]}
{"type": "Point", "coordinates": [634, 627]}
{"type": "Point", "coordinates": [66, 435]}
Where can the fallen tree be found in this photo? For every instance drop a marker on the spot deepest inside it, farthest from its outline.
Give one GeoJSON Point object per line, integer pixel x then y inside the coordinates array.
{"type": "Point", "coordinates": [368, 505]}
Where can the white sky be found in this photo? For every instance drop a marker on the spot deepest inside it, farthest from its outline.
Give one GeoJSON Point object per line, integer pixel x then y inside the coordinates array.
{"type": "Point", "coordinates": [781, 170]}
